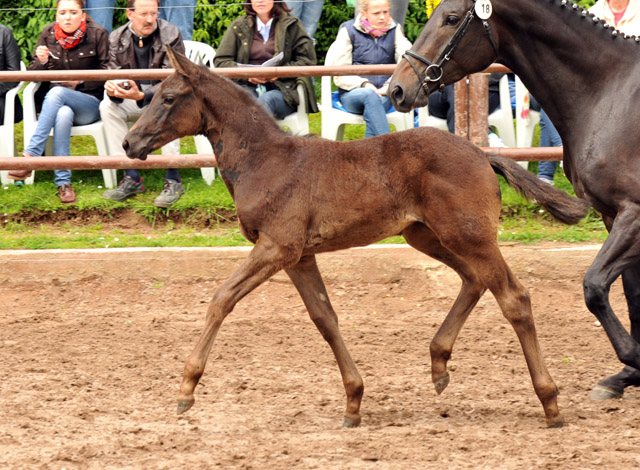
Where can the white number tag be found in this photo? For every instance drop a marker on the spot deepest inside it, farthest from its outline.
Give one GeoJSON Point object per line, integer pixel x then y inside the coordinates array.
{"type": "Point", "coordinates": [483, 9]}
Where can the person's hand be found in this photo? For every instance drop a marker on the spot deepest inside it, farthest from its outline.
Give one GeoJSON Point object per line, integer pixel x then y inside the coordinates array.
{"type": "Point", "coordinates": [382, 91]}
{"type": "Point", "coordinates": [119, 90]}
{"type": "Point", "coordinates": [258, 81]}
{"type": "Point", "coordinates": [42, 53]}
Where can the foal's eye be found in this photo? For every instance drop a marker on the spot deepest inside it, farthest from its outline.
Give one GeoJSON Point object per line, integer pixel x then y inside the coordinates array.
{"type": "Point", "coordinates": [451, 20]}
{"type": "Point", "coordinates": [168, 100]}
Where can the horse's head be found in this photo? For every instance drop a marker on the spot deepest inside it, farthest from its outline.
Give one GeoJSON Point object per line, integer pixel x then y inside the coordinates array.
{"type": "Point", "coordinates": [174, 111]}
{"type": "Point", "coordinates": [455, 41]}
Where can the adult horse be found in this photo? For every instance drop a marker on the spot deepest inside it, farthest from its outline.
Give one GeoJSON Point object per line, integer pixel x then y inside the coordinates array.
{"type": "Point", "coordinates": [299, 196]}
{"type": "Point", "coordinates": [584, 73]}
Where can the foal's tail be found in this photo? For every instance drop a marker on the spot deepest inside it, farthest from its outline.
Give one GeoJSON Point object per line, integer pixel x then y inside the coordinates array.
{"type": "Point", "coordinates": [565, 208]}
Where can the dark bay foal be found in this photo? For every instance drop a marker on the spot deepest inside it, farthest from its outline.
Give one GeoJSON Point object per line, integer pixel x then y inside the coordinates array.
{"type": "Point", "coordinates": [299, 196]}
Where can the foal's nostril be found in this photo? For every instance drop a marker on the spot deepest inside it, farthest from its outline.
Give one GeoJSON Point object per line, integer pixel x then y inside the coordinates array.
{"type": "Point", "coordinates": [125, 145]}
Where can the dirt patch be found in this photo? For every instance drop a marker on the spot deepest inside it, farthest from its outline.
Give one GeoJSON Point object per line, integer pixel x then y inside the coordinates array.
{"type": "Point", "coordinates": [92, 346]}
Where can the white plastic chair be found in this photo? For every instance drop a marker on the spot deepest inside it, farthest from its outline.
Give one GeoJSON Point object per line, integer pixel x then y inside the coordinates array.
{"type": "Point", "coordinates": [502, 117]}
{"type": "Point", "coordinates": [202, 54]}
{"type": "Point", "coordinates": [334, 120]}
{"type": "Point", "coordinates": [525, 125]}
{"type": "Point", "coordinates": [95, 130]}
{"type": "Point", "coordinates": [7, 132]}
{"type": "Point", "coordinates": [298, 122]}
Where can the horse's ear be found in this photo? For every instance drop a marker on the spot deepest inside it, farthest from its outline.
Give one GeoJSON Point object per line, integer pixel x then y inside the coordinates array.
{"type": "Point", "coordinates": [180, 62]}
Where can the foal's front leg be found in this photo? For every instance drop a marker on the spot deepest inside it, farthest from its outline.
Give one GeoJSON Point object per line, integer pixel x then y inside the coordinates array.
{"type": "Point", "coordinates": [264, 261]}
{"type": "Point", "coordinates": [306, 277]}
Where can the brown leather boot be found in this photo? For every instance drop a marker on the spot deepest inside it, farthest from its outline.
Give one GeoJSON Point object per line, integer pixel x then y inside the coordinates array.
{"type": "Point", "coordinates": [66, 194]}
{"type": "Point", "coordinates": [20, 175]}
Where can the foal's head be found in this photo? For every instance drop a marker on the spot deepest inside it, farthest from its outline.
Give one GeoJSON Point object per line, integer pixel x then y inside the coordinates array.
{"type": "Point", "coordinates": [455, 30]}
{"type": "Point", "coordinates": [176, 110]}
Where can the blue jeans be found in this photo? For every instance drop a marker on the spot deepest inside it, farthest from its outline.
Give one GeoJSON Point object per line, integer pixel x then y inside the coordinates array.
{"type": "Point", "coordinates": [372, 107]}
{"type": "Point", "coordinates": [309, 12]}
{"type": "Point", "coordinates": [101, 11]}
{"type": "Point", "coordinates": [273, 101]}
{"type": "Point", "coordinates": [549, 137]}
{"type": "Point", "coordinates": [180, 13]}
{"type": "Point", "coordinates": [62, 108]}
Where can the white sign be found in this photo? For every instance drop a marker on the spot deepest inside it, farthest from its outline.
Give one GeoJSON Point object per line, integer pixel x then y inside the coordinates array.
{"type": "Point", "coordinates": [483, 9]}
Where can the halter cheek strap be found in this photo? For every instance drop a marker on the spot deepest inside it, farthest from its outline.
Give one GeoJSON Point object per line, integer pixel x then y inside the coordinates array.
{"type": "Point", "coordinates": [433, 72]}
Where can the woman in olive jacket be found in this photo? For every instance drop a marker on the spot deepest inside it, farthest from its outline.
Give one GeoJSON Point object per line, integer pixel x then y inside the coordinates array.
{"type": "Point", "coordinates": [264, 32]}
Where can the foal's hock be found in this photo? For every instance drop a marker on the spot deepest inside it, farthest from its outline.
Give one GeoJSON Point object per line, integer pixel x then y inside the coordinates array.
{"type": "Point", "coordinates": [299, 196]}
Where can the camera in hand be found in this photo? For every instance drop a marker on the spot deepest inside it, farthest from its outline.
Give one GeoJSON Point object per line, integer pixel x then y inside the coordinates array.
{"type": "Point", "coordinates": [124, 84]}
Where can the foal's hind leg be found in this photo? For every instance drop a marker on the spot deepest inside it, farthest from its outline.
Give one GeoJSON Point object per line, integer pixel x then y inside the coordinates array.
{"type": "Point", "coordinates": [264, 261]}
{"type": "Point", "coordinates": [306, 277]}
{"type": "Point", "coordinates": [423, 239]}
{"type": "Point", "coordinates": [515, 304]}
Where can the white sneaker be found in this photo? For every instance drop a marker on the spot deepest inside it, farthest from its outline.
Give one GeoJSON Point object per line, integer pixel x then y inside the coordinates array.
{"type": "Point", "coordinates": [495, 141]}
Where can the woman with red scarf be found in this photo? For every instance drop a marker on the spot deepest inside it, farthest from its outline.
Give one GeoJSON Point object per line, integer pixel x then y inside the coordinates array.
{"type": "Point", "coordinates": [72, 42]}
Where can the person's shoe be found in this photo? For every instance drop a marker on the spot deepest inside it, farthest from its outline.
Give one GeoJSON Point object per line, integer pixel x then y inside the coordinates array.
{"type": "Point", "coordinates": [546, 180]}
{"type": "Point", "coordinates": [66, 194]}
{"type": "Point", "coordinates": [170, 194]}
{"type": "Point", "coordinates": [20, 175]}
{"type": "Point", "coordinates": [126, 189]}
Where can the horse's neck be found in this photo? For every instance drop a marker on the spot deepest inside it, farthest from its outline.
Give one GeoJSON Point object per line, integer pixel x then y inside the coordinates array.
{"type": "Point", "coordinates": [565, 59]}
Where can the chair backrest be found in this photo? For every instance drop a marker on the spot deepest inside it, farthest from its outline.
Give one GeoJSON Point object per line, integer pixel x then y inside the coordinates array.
{"type": "Point", "coordinates": [200, 53]}
{"type": "Point", "coordinates": [9, 106]}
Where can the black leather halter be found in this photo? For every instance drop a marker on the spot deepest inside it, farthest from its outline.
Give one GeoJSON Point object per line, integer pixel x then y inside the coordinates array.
{"type": "Point", "coordinates": [433, 72]}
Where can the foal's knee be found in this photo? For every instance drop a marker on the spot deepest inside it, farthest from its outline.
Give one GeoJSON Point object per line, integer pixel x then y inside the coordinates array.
{"type": "Point", "coordinates": [518, 308]}
{"type": "Point", "coordinates": [595, 293]}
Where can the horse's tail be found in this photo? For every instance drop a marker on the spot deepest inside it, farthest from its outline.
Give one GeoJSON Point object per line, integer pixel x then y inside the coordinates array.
{"type": "Point", "coordinates": [565, 208]}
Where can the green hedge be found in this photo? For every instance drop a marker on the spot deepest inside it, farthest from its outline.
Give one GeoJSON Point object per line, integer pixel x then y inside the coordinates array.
{"type": "Point", "coordinates": [210, 21]}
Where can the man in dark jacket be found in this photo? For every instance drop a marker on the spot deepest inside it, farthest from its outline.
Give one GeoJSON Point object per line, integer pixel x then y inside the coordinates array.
{"type": "Point", "coordinates": [10, 61]}
{"type": "Point", "coordinates": [139, 44]}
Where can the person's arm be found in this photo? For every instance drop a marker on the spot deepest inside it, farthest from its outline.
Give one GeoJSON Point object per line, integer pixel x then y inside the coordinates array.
{"type": "Point", "coordinates": [227, 52]}
{"type": "Point", "coordinates": [12, 59]}
{"type": "Point", "coordinates": [303, 51]}
{"type": "Point", "coordinates": [341, 53]}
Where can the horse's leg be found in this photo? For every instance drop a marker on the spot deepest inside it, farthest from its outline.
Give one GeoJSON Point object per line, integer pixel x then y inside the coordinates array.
{"type": "Point", "coordinates": [264, 261]}
{"type": "Point", "coordinates": [423, 239]}
{"type": "Point", "coordinates": [619, 255]}
{"type": "Point", "coordinates": [515, 303]}
{"type": "Point", "coordinates": [306, 277]}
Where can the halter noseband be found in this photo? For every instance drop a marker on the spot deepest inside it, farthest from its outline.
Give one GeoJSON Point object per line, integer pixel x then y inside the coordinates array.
{"type": "Point", "coordinates": [433, 72]}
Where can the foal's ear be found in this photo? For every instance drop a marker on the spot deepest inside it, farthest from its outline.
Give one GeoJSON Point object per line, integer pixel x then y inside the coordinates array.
{"type": "Point", "coordinates": [180, 63]}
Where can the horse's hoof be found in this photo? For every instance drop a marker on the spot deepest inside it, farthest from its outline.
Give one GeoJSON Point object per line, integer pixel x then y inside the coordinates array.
{"type": "Point", "coordinates": [185, 405]}
{"type": "Point", "coordinates": [351, 421]}
{"type": "Point", "coordinates": [600, 392]}
{"type": "Point", "coordinates": [556, 422]}
{"type": "Point", "coordinates": [441, 383]}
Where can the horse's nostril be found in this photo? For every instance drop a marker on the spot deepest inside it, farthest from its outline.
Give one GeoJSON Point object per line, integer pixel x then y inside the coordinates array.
{"type": "Point", "coordinates": [125, 145]}
{"type": "Point", "coordinates": [397, 94]}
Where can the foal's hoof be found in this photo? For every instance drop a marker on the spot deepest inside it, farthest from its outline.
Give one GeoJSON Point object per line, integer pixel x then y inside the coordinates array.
{"type": "Point", "coordinates": [441, 383]}
{"type": "Point", "coordinates": [600, 392]}
{"type": "Point", "coordinates": [351, 421]}
{"type": "Point", "coordinates": [556, 422]}
{"type": "Point", "coordinates": [185, 405]}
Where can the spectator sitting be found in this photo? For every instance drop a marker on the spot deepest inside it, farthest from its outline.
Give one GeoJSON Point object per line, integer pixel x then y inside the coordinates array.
{"type": "Point", "coordinates": [266, 30]}
{"type": "Point", "coordinates": [139, 44]}
{"type": "Point", "coordinates": [372, 38]}
{"type": "Point", "coordinates": [73, 41]}
{"type": "Point", "coordinates": [9, 61]}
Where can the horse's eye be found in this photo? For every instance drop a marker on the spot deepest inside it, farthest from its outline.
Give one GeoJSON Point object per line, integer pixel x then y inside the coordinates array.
{"type": "Point", "coordinates": [451, 20]}
{"type": "Point", "coordinates": [168, 100]}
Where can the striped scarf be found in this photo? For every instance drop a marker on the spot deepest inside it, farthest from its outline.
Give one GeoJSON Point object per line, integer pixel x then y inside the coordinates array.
{"type": "Point", "coordinates": [375, 32]}
{"type": "Point", "coordinates": [68, 41]}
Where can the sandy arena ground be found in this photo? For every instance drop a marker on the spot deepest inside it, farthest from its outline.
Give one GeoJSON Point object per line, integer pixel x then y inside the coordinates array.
{"type": "Point", "coordinates": [92, 346]}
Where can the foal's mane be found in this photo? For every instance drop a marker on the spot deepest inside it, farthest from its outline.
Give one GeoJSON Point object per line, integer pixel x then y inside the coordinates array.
{"type": "Point", "coordinates": [223, 96]}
